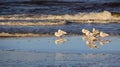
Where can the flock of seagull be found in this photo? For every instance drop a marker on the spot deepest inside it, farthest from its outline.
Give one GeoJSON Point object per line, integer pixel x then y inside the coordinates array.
{"type": "Point", "coordinates": [90, 36]}
{"type": "Point", "coordinates": [94, 36]}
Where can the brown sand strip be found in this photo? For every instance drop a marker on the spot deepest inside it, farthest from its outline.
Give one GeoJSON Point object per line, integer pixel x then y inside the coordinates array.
{"type": "Point", "coordinates": [22, 35]}
{"type": "Point", "coordinates": [32, 23]}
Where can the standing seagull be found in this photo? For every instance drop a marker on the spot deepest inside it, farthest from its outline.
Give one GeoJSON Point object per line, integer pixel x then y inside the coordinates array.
{"type": "Point", "coordinates": [60, 33]}
{"type": "Point", "coordinates": [95, 32]}
{"type": "Point", "coordinates": [102, 34]}
{"type": "Point", "coordinates": [86, 32]}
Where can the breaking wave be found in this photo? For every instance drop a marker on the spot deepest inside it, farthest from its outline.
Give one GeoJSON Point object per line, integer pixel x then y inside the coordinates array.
{"type": "Point", "coordinates": [92, 17]}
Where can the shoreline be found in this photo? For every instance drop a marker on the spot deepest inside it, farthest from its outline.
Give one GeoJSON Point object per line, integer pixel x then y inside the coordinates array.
{"type": "Point", "coordinates": [10, 35]}
{"type": "Point", "coordinates": [22, 35]}
{"type": "Point", "coordinates": [55, 23]}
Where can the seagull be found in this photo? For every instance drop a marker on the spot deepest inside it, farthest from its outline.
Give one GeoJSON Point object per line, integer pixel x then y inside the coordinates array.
{"type": "Point", "coordinates": [86, 32]}
{"type": "Point", "coordinates": [60, 33]}
{"type": "Point", "coordinates": [102, 34]}
{"type": "Point", "coordinates": [95, 32]}
{"type": "Point", "coordinates": [92, 38]}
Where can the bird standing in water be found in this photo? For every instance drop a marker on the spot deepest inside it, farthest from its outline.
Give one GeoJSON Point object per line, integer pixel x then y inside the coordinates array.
{"type": "Point", "coordinates": [60, 33]}
{"type": "Point", "coordinates": [102, 34]}
{"type": "Point", "coordinates": [86, 32]}
{"type": "Point", "coordinates": [93, 36]}
{"type": "Point", "coordinates": [95, 32]}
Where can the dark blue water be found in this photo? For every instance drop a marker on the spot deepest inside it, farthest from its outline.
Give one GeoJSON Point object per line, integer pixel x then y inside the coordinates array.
{"type": "Point", "coordinates": [58, 8]}
{"type": "Point", "coordinates": [112, 28]}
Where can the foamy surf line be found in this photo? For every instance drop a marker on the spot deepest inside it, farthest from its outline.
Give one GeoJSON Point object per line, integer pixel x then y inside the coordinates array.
{"type": "Point", "coordinates": [21, 20]}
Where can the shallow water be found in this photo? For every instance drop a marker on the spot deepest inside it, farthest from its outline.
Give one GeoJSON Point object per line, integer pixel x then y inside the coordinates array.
{"type": "Point", "coordinates": [47, 44]}
{"type": "Point", "coordinates": [43, 52]}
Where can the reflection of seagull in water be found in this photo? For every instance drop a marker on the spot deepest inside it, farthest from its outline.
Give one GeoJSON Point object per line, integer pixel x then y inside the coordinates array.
{"type": "Point", "coordinates": [84, 37]}
{"type": "Point", "coordinates": [60, 40]}
{"type": "Point", "coordinates": [92, 38]}
{"type": "Point", "coordinates": [102, 42]}
{"type": "Point", "coordinates": [91, 44]}
{"type": "Point", "coordinates": [102, 34]}
{"type": "Point", "coordinates": [60, 33]}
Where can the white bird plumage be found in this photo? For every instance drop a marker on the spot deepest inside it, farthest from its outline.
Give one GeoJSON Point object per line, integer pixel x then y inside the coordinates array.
{"type": "Point", "coordinates": [93, 36]}
{"type": "Point", "coordinates": [86, 32]}
{"type": "Point", "coordinates": [60, 33]}
{"type": "Point", "coordinates": [95, 32]}
{"type": "Point", "coordinates": [102, 34]}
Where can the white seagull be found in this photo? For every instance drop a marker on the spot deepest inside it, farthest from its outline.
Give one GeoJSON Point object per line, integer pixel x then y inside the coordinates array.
{"type": "Point", "coordinates": [95, 32]}
{"type": "Point", "coordinates": [60, 33]}
{"type": "Point", "coordinates": [102, 34]}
